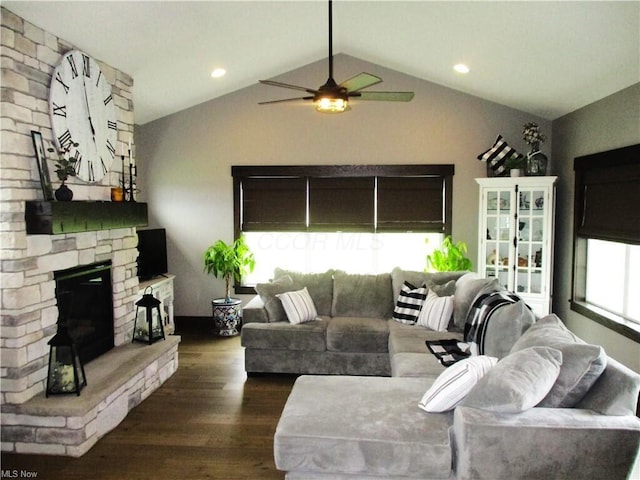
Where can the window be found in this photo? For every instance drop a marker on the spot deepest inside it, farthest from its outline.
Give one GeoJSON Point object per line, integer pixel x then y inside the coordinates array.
{"type": "Point", "coordinates": [360, 218]}
{"type": "Point", "coordinates": [607, 239]}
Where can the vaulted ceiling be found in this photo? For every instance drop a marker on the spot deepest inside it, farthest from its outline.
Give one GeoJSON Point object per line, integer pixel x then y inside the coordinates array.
{"type": "Point", "coordinates": [545, 58]}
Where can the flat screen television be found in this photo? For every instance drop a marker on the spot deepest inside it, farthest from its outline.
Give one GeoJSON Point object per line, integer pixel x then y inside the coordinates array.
{"type": "Point", "coordinates": [152, 256]}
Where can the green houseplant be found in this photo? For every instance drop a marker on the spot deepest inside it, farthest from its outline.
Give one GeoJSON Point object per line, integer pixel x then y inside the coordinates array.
{"type": "Point", "coordinates": [515, 162]}
{"type": "Point", "coordinates": [229, 261]}
{"type": "Point", "coordinates": [450, 257]}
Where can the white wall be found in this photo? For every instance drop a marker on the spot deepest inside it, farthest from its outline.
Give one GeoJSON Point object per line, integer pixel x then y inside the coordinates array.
{"type": "Point", "coordinates": [185, 159]}
{"type": "Point", "coordinates": [612, 122]}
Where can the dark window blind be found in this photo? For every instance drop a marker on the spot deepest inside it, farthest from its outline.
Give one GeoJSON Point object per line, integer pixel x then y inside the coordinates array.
{"type": "Point", "coordinates": [274, 204]}
{"type": "Point", "coordinates": [608, 195]}
{"type": "Point", "coordinates": [353, 198]}
{"type": "Point", "coordinates": [411, 204]}
{"type": "Point", "coordinates": [345, 204]}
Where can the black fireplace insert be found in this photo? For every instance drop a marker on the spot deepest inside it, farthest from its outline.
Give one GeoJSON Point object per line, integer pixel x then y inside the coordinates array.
{"type": "Point", "coordinates": [89, 315]}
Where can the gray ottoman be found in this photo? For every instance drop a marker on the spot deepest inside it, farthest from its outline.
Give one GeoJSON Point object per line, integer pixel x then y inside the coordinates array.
{"type": "Point", "coordinates": [346, 427]}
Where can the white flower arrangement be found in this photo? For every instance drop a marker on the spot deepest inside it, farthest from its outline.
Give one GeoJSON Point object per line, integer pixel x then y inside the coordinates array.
{"type": "Point", "coordinates": [531, 134]}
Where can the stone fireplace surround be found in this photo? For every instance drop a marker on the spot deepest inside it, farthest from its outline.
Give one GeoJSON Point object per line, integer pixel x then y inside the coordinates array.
{"type": "Point", "coordinates": [117, 381]}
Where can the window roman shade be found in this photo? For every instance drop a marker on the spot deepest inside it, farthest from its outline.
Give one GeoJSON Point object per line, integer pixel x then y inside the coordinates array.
{"type": "Point", "coordinates": [411, 204]}
{"type": "Point", "coordinates": [608, 195]}
{"type": "Point", "coordinates": [341, 203]}
{"type": "Point", "coordinates": [350, 198]}
{"type": "Point", "coordinates": [274, 204]}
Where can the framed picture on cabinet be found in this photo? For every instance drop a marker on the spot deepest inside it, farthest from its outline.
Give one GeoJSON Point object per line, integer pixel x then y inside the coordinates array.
{"type": "Point", "coordinates": [43, 169]}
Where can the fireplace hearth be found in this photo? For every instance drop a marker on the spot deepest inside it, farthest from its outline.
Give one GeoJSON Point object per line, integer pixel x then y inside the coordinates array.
{"type": "Point", "coordinates": [87, 294]}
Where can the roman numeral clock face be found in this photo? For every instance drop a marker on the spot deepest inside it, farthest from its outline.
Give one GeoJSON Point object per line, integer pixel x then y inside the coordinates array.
{"type": "Point", "coordinates": [82, 111]}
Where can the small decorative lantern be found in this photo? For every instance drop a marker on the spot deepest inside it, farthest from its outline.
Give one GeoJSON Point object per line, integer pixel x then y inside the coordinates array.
{"type": "Point", "coordinates": [66, 372]}
{"type": "Point", "coordinates": [148, 326]}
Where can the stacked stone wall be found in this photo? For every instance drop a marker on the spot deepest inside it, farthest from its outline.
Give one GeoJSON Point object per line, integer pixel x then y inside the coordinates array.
{"type": "Point", "coordinates": [28, 56]}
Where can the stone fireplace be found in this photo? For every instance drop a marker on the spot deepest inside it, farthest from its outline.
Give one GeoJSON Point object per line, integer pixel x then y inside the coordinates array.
{"type": "Point", "coordinates": [117, 380]}
{"type": "Point", "coordinates": [125, 375]}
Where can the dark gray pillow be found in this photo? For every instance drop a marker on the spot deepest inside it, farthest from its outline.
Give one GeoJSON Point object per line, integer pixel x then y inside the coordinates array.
{"type": "Point", "coordinates": [467, 289]}
{"type": "Point", "coordinates": [362, 296]}
{"type": "Point", "coordinates": [518, 382]}
{"type": "Point", "coordinates": [582, 363]}
{"type": "Point", "coordinates": [272, 304]}
{"type": "Point", "coordinates": [506, 325]}
{"type": "Point", "coordinates": [319, 286]}
{"type": "Point", "coordinates": [399, 276]}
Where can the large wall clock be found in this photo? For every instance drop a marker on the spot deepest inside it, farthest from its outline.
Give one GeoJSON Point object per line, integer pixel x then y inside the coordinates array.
{"type": "Point", "coordinates": [82, 112]}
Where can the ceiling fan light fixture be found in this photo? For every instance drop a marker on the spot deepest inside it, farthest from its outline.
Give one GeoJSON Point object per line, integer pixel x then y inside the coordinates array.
{"type": "Point", "coordinates": [331, 104]}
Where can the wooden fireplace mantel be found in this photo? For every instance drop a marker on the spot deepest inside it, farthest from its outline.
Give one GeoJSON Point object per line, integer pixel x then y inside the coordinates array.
{"type": "Point", "coordinates": [52, 218]}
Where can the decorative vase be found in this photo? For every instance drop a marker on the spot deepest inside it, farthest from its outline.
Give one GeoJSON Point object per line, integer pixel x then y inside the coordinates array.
{"type": "Point", "coordinates": [536, 161]}
{"type": "Point", "coordinates": [64, 193]}
{"type": "Point", "coordinates": [227, 316]}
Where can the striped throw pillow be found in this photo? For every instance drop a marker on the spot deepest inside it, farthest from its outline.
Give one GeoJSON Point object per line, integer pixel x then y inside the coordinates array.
{"type": "Point", "coordinates": [436, 312]}
{"type": "Point", "coordinates": [409, 303]}
{"type": "Point", "coordinates": [497, 155]}
{"type": "Point", "coordinates": [453, 385]}
{"type": "Point", "coordinates": [298, 306]}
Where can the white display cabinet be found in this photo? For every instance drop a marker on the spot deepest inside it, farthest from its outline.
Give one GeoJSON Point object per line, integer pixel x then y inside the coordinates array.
{"type": "Point", "coordinates": [516, 229]}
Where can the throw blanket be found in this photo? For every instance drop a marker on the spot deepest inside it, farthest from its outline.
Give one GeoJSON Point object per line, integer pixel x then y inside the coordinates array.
{"type": "Point", "coordinates": [480, 315]}
{"type": "Point", "coordinates": [449, 352]}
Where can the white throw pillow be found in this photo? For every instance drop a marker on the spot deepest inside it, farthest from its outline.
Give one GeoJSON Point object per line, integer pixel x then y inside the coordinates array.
{"type": "Point", "coordinates": [436, 312]}
{"type": "Point", "coordinates": [452, 386]}
{"type": "Point", "coordinates": [298, 306]}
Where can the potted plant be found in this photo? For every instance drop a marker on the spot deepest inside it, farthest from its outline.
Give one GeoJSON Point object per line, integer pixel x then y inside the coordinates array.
{"type": "Point", "coordinates": [450, 257]}
{"type": "Point", "coordinates": [515, 164]}
{"type": "Point", "coordinates": [65, 168]}
{"type": "Point", "coordinates": [229, 261]}
{"type": "Point", "coordinates": [536, 161]}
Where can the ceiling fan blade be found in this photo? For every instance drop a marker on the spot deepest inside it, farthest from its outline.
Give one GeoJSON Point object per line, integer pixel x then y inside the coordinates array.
{"type": "Point", "coordinates": [285, 100]}
{"type": "Point", "coordinates": [286, 85]}
{"type": "Point", "coordinates": [385, 96]}
{"type": "Point", "coordinates": [360, 81]}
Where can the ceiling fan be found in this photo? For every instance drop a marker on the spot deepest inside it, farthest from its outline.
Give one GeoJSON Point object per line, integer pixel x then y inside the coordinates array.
{"type": "Point", "coordinates": [334, 98]}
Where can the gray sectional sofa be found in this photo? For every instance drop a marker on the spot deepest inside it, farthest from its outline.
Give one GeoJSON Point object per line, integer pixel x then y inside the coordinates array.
{"type": "Point", "coordinates": [551, 407]}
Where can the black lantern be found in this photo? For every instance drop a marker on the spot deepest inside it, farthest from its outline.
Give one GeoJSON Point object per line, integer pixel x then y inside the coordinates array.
{"type": "Point", "coordinates": [148, 326]}
{"type": "Point", "coordinates": [66, 372]}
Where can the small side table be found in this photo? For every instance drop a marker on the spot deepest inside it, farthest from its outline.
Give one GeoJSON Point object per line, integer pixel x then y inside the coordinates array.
{"type": "Point", "coordinates": [226, 316]}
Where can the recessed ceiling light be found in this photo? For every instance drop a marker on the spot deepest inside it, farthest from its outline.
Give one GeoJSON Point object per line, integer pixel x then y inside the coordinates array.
{"type": "Point", "coordinates": [461, 68]}
{"type": "Point", "coordinates": [218, 72]}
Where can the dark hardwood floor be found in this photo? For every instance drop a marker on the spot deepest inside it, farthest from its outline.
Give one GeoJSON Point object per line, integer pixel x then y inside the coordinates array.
{"type": "Point", "coordinates": [208, 421]}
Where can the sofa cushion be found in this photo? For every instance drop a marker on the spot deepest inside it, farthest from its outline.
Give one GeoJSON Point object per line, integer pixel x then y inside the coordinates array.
{"type": "Point", "coordinates": [355, 334]}
{"type": "Point", "coordinates": [445, 281]}
{"type": "Point", "coordinates": [362, 296]}
{"type": "Point", "coordinates": [582, 364]}
{"type": "Point", "coordinates": [298, 306]}
{"type": "Point", "coordinates": [409, 303]}
{"type": "Point", "coordinates": [436, 312]}
{"type": "Point", "coordinates": [319, 285]}
{"type": "Point", "coordinates": [272, 303]}
{"type": "Point", "coordinates": [364, 426]}
{"type": "Point", "coordinates": [468, 288]}
{"type": "Point", "coordinates": [518, 382]}
{"type": "Point", "coordinates": [308, 336]}
{"type": "Point", "coordinates": [455, 383]}
{"type": "Point", "coordinates": [412, 338]}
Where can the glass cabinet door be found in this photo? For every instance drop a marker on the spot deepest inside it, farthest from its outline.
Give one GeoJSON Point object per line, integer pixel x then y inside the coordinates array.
{"type": "Point", "coordinates": [530, 240]}
{"type": "Point", "coordinates": [499, 216]}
